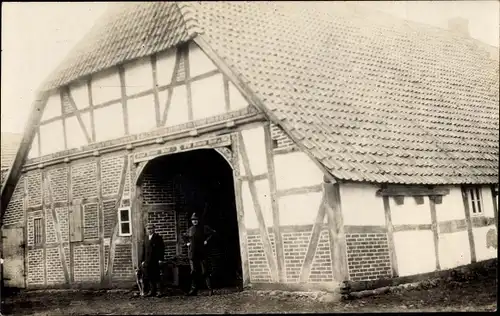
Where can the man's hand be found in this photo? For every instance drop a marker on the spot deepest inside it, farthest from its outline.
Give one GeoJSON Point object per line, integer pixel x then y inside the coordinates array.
{"type": "Point", "coordinates": [205, 242]}
{"type": "Point", "coordinates": [188, 244]}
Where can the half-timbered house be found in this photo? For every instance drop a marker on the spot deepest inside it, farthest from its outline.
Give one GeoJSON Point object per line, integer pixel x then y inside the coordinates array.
{"type": "Point", "coordinates": [323, 142]}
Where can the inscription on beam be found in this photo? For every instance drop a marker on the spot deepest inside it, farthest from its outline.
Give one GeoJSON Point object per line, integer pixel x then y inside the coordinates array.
{"type": "Point", "coordinates": [220, 141]}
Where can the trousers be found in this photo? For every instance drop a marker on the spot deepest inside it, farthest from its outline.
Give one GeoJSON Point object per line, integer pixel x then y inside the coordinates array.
{"type": "Point", "coordinates": [197, 265]}
{"type": "Point", "coordinates": [152, 277]}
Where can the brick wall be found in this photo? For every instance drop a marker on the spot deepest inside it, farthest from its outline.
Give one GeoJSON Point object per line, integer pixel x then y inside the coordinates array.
{"type": "Point", "coordinates": [158, 191]}
{"type": "Point", "coordinates": [34, 185]}
{"type": "Point", "coordinates": [90, 221]}
{"type": "Point", "coordinates": [181, 74]}
{"type": "Point", "coordinates": [50, 231]}
{"type": "Point", "coordinates": [295, 247]}
{"type": "Point", "coordinates": [15, 210]}
{"type": "Point", "coordinates": [259, 268]}
{"type": "Point", "coordinates": [122, 265]}
{"type": "Point", "coordinates": [62, 218]}
{"type": "Point", "coordinates": [321, 268]}
{"type": "Point", "coordinates": [58, 184]}
{"type": "Point", "coordinates": [36, 267]}
{"type": "Point", "coordinates": [55, 274]}
{"type": "Point", "coordinates": [87, 263]}
{"type": "Point", "coordinates": [84, 180]}
{"type": "Point", "coordinates": [111, 172]}
{"type": "Point", "coordinates": [368, 256]}
{"type": "Point", "coordinates": [279, 137]}
{"type": "Point", "coordinates": [165, 225]}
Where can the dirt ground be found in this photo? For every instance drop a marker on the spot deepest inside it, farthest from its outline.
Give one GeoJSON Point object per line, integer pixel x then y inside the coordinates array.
{"type": "Point", "coordinates": [479, 294]}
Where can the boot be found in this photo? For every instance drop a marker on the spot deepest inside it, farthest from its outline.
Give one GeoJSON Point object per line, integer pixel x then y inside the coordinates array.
{"type": "Point", "coordinates": [209, 286]}
{"type": "Point", "coordinates": [193, 292]}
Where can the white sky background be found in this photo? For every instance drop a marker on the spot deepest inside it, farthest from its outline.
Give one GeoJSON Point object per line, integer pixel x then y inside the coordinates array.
{"type": "Point", "coordinates": [37, 36]}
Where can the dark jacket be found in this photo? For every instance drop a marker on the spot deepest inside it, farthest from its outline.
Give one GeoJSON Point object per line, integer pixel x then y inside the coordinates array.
{"type": "Point", "coordinates": [153, 249]}
{"type": "Point", "coordinates": [197, 235]}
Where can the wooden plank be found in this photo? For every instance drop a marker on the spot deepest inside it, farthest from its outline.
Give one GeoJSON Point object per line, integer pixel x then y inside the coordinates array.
{"type": "Point", "coordinates": [305, 271]}
{"type": "Point", "coordinates": [301, 190]}
{"type": "Point", "coordinates": [100, 215]}
{"type": "Point", "coordinates": [372, 229]}
{"type": "Point", "coordinates": [70, 246]}
{"type": "Point", "coordinates": [57, 229]}
{"type": "Point", "coordinates": [495, 205]}
{"type": "Point", "coordinates": [472, 246]}
{"type": "Point", "coordinates": [405, 190]}
{"type": "Point", "coordinates": [482, 221]}
{"type": "Point", "coordinates": [435, 232]}
{"type": "Point", "coordinates": [253, 178]}
{"type": "Point", "coordinates": [91, 109]}
{"type": "Point", "coordinates": [253, 99]}
{"type": "Point", "coordinates": [258, 211]}
{"type": "Point", "coordinates": [336, 225]}
{"type": "Point", "coordinates": [78, 116]}
{"type": "Point", "coordinates": [154, 66]}
{"type": "Point", "coordinates": [65, 136]}
{"type": "Point", "coordinates": [227, 101]}
{"type": "Point", "coordinates": [75, 222]}
{"type": "Point", "coordinates": [44, 229]}
{"type": "Point", "coordinates": [137, 213]}
{"type": "Point", "coordinates": [171, 89]}
{"type": "Point", "coordinates": [39, 141]}
{"type": "Point", "coordinates": [240, 213]}
{"type": "Point", "coordinates": [278, 240]}
{"type": "Point", "coordinates": [123, 86]}
{"type": "Point", "coordinates": [185, 51]}
{"type": "Point", "coordinates": [15, 170]}
{"type": "Point", "coordinates": [411, 227]}
{"type": "Point", "coordinates": [452, 226]}
{"type": "Point", "coordinates": [115, 224]}
{"type": "Point", "coordinates": [390, 237]}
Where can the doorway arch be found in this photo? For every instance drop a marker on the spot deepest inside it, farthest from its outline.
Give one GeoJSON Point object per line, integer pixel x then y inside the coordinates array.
{"type": "Point", "coordinates": [174, 186]}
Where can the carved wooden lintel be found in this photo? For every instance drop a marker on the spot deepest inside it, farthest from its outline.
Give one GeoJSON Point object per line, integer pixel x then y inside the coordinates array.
{"type": "Point", "coordinates": [410, 190]}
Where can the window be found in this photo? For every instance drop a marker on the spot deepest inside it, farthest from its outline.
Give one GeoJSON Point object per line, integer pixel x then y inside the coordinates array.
{"type": "Point", "coordinates": [124, 221]}
{"type": "Point", "coordinates": [476, 204]}
{"type": "Point", "coordinates": [38, 230]}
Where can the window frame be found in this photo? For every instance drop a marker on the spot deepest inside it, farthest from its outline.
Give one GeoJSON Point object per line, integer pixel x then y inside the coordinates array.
{"type": "Point", "coordinates": [475, 197]}
{"type": "Point", "coordinates": [120, 222]}
{"type": "Point", "coordinates": [35, 230]}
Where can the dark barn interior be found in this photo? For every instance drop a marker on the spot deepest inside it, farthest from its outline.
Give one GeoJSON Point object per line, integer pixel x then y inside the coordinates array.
{"type": "Point", "coordinates": [198, 181]}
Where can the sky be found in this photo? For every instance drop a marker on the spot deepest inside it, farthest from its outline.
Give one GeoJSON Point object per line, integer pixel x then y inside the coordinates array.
{"type": "Point", "coordinates": [37, 36]}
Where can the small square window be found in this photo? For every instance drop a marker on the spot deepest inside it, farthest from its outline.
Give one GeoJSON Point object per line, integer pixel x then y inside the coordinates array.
{"type": "Point", "coordinates": [476, 200]}
{"type": "Point", "coordinates": [124, 221]}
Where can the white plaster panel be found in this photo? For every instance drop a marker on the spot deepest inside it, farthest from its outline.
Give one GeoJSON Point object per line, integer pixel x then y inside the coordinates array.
{"type": "Point", "coordinates": [86, 122]}
{"type": "Point", "coordinates": [33, 153]}
{"type": "Point", "coordinates": [236, 100]}
{"type": "Point", "coordinates": [294, 170]}
{"type": "Point", "coordinates": [487, 201]}
{"type": "Point", "coordinates": [264, 198]}
{"type": "Point", "coordinates": [52, 137]}
{"type": "Point", "coordinates": [299, 209]}
{"type": "Point", "coordinates": [138, 76]}
{"type": "Point", "coordinates": [141, 114]}
{"type": "Point", "coordinates": [451, 207]}
{"type": "Point", "coordinates": [178, 110]}
{"type": "Point", "coordinates": [80, 94]}
{"type": "Point", "coordinates": [165, 63]}
{"type": "Point", "coordinates": [454, 249]}
{"type": "Point", "coordinates": [74, 134]}
{"type": "Point", "coordinates": [360, 205]}
{"type": "Point", "coordinates": [248, 209]}
{"type": "Point", "coordinates": [53, 107]}
{"type": "Point", "coordinates": [106, 86]}
{"type": "Point", "coordinates": [410, 212]}
{"type": "Point", "coordinates": [256, 149]}
{"type": "Point", "coordinates": [109, 122]}
{"type": "Point", "coordinates": [480, 242]}
{"type": "Point", "coordinates": [199, 63]}
{"type": "Point", "coordinates": [208, 97]}
{"type": "Point", "coordinates": [415, 252]}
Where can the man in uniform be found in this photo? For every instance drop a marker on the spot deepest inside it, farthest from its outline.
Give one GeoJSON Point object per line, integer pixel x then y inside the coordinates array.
{"type": "Point", "coordinates": [198, 237]}
{"type": "Point", "coordinates": [151, 258]}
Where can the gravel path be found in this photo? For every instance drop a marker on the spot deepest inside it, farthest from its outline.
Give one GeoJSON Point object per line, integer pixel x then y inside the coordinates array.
{"type": "Point", "coordinates": [472, 295]}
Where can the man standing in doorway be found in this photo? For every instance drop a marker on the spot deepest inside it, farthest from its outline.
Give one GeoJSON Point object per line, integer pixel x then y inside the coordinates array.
{"type": "Point", "coordinates": [152, 256]}
{"type": "Point", "coordinates": [198, 237]}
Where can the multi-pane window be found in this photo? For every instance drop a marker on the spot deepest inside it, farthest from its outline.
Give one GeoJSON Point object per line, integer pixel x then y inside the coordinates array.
{"type": "Point", "coordinates": [475, 198]}
{"type": "Point", "coordinates": [124, 221]}
{"type": "Point", "coordinates": [38, 231]}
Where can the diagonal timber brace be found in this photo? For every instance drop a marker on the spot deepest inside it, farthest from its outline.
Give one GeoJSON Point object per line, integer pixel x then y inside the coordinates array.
{"type": "Point", "coordinates": [29, 132]}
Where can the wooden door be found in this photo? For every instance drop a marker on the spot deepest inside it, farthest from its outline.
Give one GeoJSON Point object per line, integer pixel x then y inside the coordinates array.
{"type": "Point", "coordinates": [13, 255]}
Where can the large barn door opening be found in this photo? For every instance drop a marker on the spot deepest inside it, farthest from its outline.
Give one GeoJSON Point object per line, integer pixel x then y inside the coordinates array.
{"type": "Point", "coordinates": [13, 265]}
{"type": "Point", "coordinates": [173, 188]}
